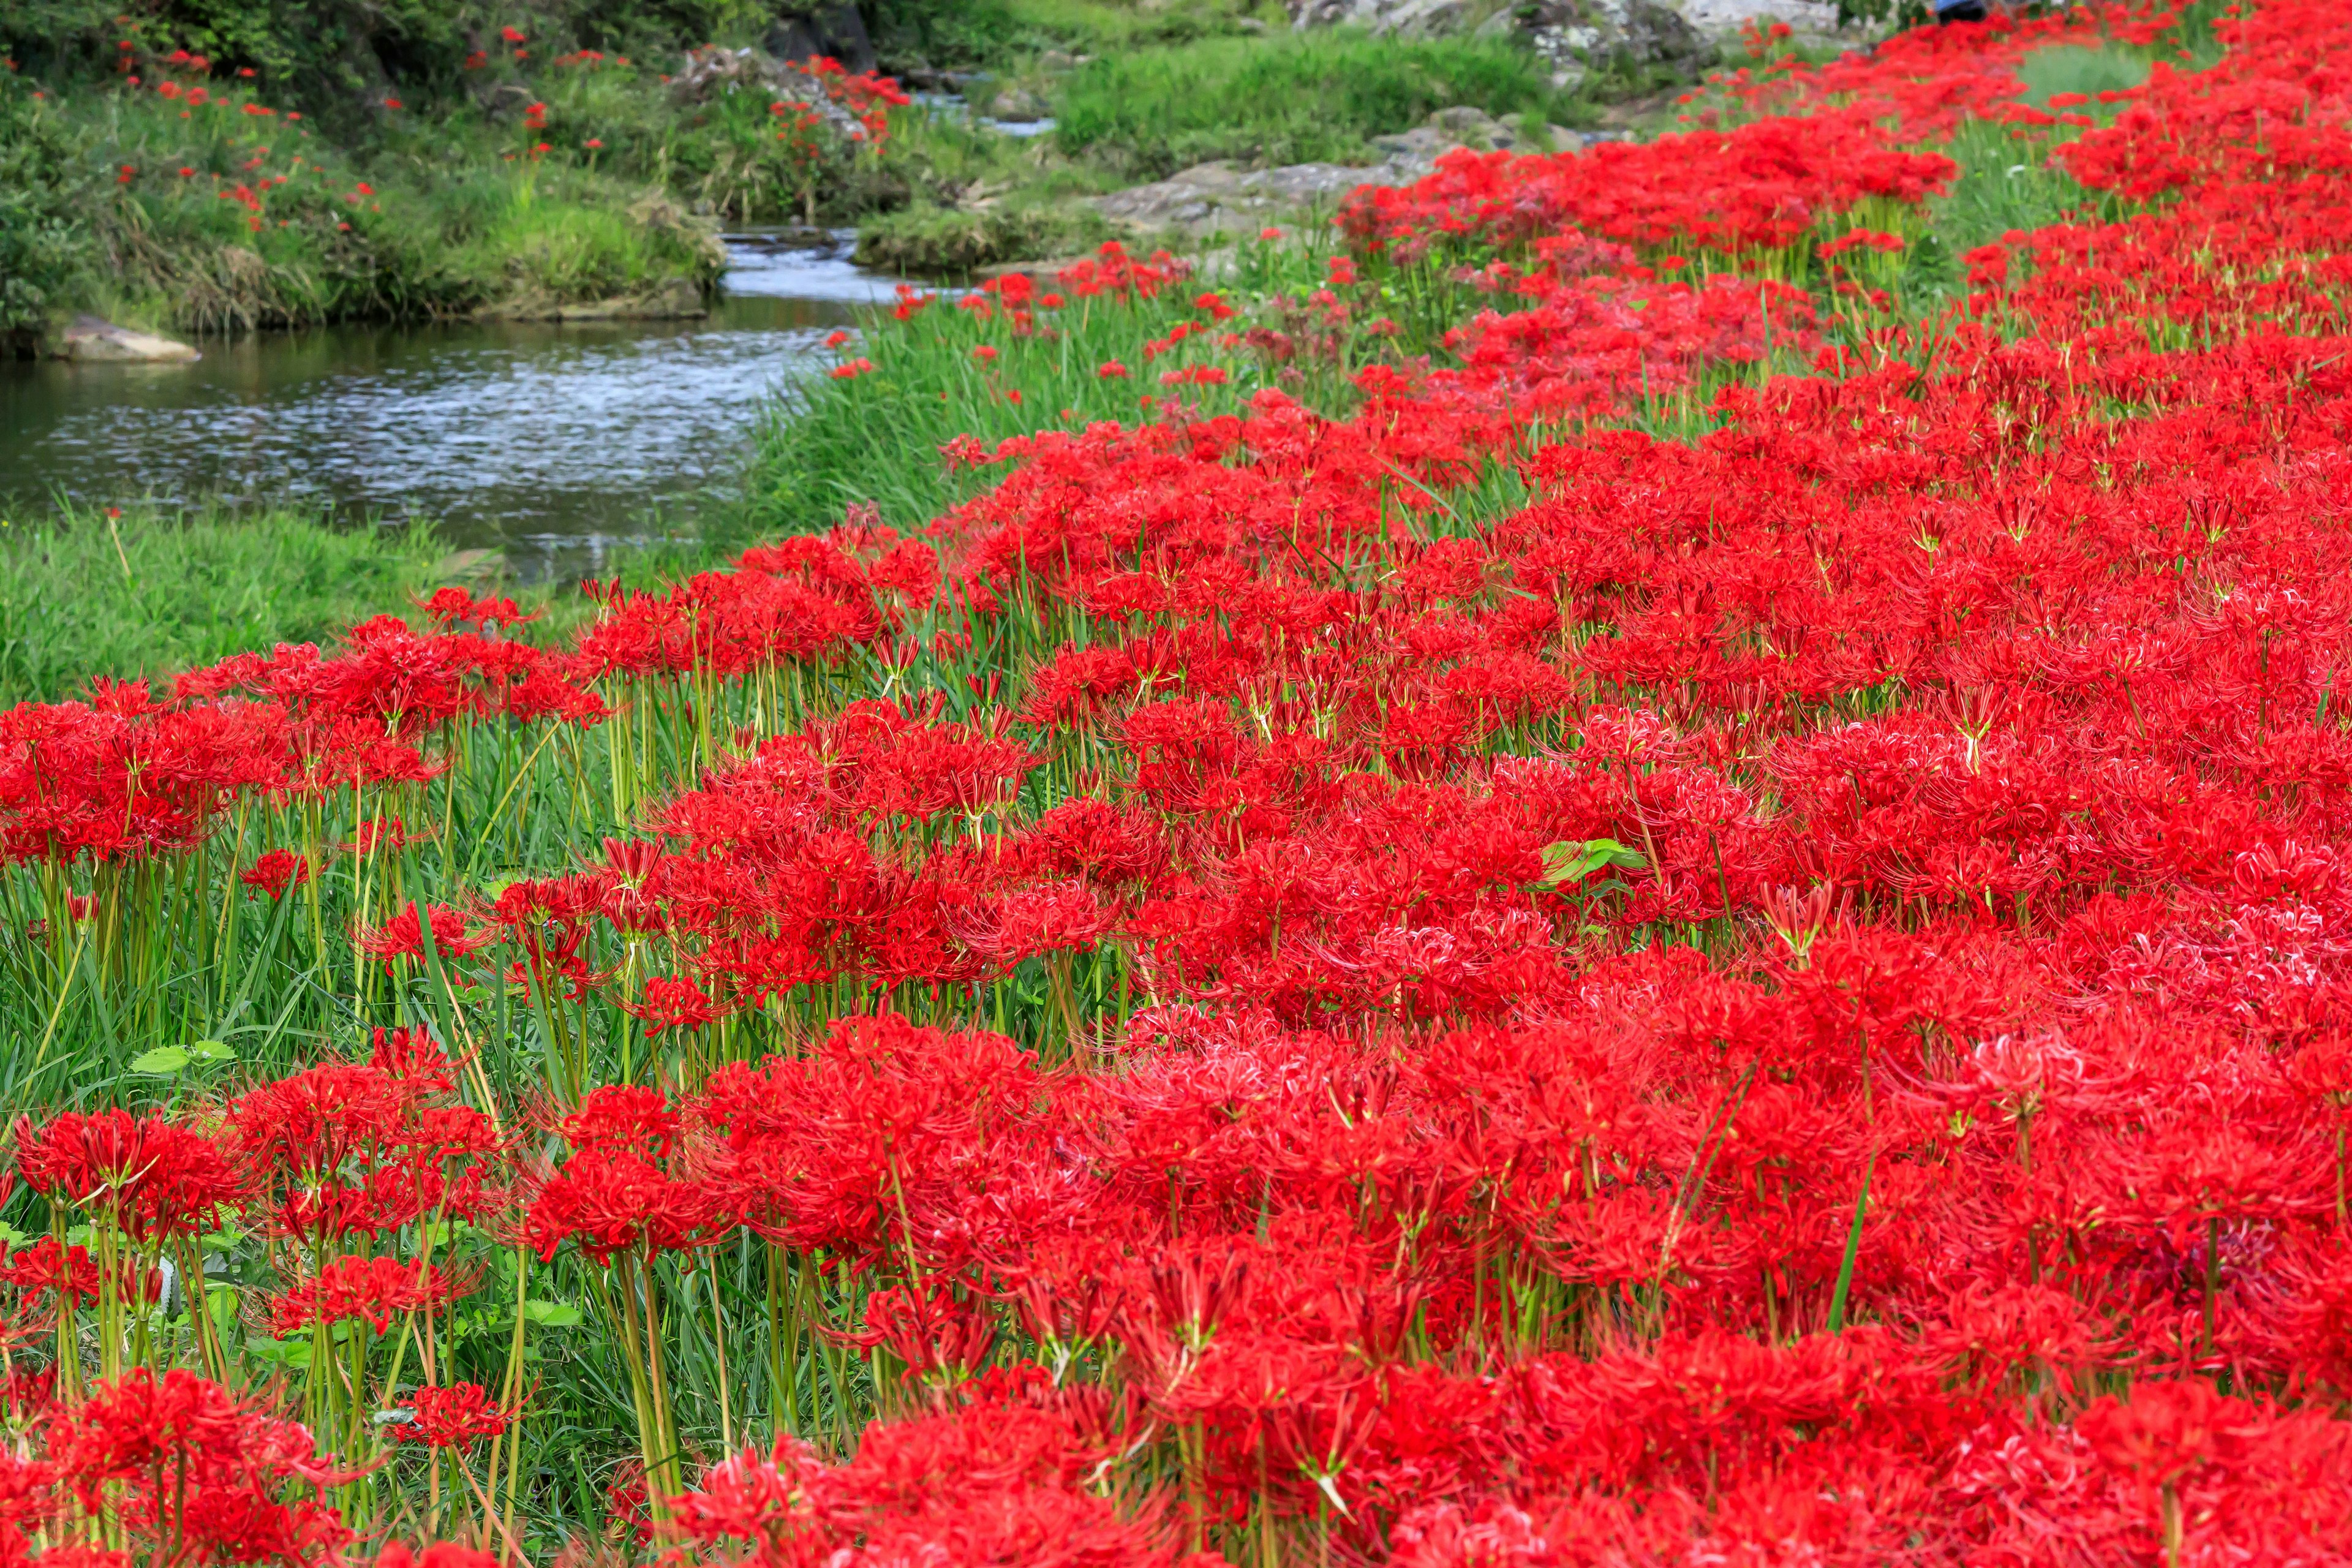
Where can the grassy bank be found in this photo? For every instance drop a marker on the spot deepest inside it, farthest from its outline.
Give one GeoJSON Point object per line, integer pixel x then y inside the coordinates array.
{"type": "Point", "coordinates": [1286, 315]}
{"type": "Point", "coordinates": [149, 591]}
{"type": "Point", "coordinates": [205, 167]}
{"type": "Point", "coordinates": [219, 219]}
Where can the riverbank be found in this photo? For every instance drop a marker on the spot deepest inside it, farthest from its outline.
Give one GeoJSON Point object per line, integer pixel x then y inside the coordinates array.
{"type": "Point", "coordinates": [563, 448]}
{"type": "Point", "coordinates": [162, 174]}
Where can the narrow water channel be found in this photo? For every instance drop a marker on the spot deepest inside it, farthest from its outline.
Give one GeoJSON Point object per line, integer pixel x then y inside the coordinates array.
{"type": "Point", "coordinates": [548, 442]}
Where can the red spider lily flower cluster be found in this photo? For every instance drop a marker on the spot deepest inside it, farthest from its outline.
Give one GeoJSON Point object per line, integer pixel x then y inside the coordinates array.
{"type": "Point", "coordinates": [1777, 996]}
{"type": "Point", "coordinates": [452, 1417]}
{"type": "Point", "coordinates": [179, 1471]}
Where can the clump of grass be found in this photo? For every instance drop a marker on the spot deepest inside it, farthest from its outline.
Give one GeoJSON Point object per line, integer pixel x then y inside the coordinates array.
{"type": "Point", "coordinates": [571, 251]}
{"type": "Point", "coordinates": [153, 592]}
{"type": "Point", "coordinates": [1287, 99]}
{"type": "Point", "coordinates": [938, 242]}
{"type": "Point", "coordinates": [2069, 68]}
{"type": "Point", "coordinates": [43, 252]}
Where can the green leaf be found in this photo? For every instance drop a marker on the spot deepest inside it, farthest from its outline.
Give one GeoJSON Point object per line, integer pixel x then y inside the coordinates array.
{"type": "Point", "coordinates": [1568, 861]}
{"type": "Point", "coordinates": [163, 1061]}
{"type": "Point", "coordinates": [552, 1314]}
{"type": "Point", "coordinates": [1853, 1249]}
{"type": "Point", "coordinates": [213, 1051]}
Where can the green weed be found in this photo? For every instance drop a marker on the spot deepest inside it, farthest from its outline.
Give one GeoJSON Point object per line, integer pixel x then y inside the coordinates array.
{"type": "Point", "coordinates": [151, 591]}
{"type": "Point", "coordinates": [2069, 67]}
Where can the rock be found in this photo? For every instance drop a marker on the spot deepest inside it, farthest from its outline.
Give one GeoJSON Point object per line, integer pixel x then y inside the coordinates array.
{"type": "Point", "coordinates": [1223, 198]}
{"type": "Point", "coordinates": [1017, 104]}
{"type": "Point", "coordinates": [1569, 34]}
{"type": "Point", "coordinates": [90, 341]}
{"type": "Point", "coordinates": [713, 69]}
{"type": "Point", "coordinates": [675, 299]}
{"type": "Point", "coordinates": [833, 28]}
{"type": "Point", "coordinates": [1399, 18]}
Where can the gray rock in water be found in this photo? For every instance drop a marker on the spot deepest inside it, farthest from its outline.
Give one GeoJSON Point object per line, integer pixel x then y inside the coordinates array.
{"type": "Point", "coordinates": [1225, 198]}
{"type": "Point", "coordinates": [1017, 105]}
{"type": "Point", "coordinates": [675, 299]}
{"type": "Point", "coordinates": [1567, 33]}
{"type": "Point", "coordinates": [90, 341]}
{"type": "Point", "coordinates": [1399, 18]}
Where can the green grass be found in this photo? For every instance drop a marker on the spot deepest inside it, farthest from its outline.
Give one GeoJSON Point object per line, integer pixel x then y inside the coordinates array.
{"type": "Point", "coordinates": [876, 437]}
{"type": "Point", "coordinates": [2069, 67]}
{"type": "Point", "coordinates": [1285, 98]}
{"type": "Point", "coordinates": [934, 241]}
{"type": "Point", "coordinates": [150, 593]}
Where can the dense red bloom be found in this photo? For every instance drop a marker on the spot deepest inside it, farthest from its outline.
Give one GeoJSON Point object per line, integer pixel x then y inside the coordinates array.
{"type": "Point", "coordinates": [180, 1455]}
{"type": "Point", "coordinates": [619, 1192]}
{"type": "Point", "coordinates": [151, 1177]}
{"type": "Point", "coordinates": [454, 1416]}
{"type": "Point", "coordinates": [1714, 926]}
{"type": "Point", "coordinates": [277, 871]}
{"type": "Point", "coordinates": [374, 1288]}
{"type": "Point", "coordinates": [47, 1265]}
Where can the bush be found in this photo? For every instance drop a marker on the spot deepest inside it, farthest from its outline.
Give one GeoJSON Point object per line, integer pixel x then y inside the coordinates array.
{"type": "Point", "coordinates": [335, 58]}
{"type": "Point", "coordinates": [43, 185]}
{"type": "Point", "coordinates": [935, 242]}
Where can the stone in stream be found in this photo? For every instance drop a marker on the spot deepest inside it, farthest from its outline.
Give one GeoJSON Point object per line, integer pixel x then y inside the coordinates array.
{"type": "Point", "coordinates": [1225, 198]}
{"type": "Point", "coordinates": [90, 341]}
{"type": "Point", "coordinates": [1571, 36]}
{"type": "Point", "coordinates": [677, 299]}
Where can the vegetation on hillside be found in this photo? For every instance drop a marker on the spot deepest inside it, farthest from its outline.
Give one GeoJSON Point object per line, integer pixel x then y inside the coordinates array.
{"type": "Point", "coordinates": [210, 164]}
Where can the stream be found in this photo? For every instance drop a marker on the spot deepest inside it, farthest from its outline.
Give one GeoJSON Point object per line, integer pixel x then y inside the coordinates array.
{"type": "Point", "coordinates": [548, 442]}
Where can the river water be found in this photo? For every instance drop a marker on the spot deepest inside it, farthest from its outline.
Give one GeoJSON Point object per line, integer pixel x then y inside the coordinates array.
{"type": "Point", "coordinates": [548, 442]}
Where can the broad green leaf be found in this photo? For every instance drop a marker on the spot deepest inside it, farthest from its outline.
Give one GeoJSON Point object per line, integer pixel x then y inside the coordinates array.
{"type": "Point", "coordinates": [1568, 861]}
{"type": "Point", "coordinates": [163, 1061]}
{"type": "Point", "coordinates": [213, 1051]}
{"type": "Point", "coordinates": [552, 1314]}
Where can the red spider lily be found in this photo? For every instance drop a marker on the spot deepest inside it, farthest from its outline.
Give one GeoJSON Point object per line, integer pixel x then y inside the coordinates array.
{"type": "Point", "coordinates": [275, 871]}
{"type": "Point", "coordinates": [151, 1179]}
{"type": "Point", "coordinates": [611, 1202]}
{"type": "Point", "coordinates": [49, 1265]}
{"type": "Point", "coordinates": [435, 1554]}
{"type": "Point", "coordinates": [403, 936]}
{"type": "Point", "coordinates": [177, 1458]}
{"type": "Point", "coordinates": [673, 1002]}
{"type": "Point", "coordinates": [453, 1417]}
{"type": "Point", "coordinates": [374, 1288]}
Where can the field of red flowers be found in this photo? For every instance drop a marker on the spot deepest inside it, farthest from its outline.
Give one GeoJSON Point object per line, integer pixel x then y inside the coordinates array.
{"type": "Point", "coordinates": [1716, 929]}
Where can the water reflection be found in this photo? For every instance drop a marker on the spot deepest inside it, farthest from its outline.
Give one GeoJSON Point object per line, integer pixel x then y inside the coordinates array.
{"type": "Point", "coordinates": [548, 441]}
